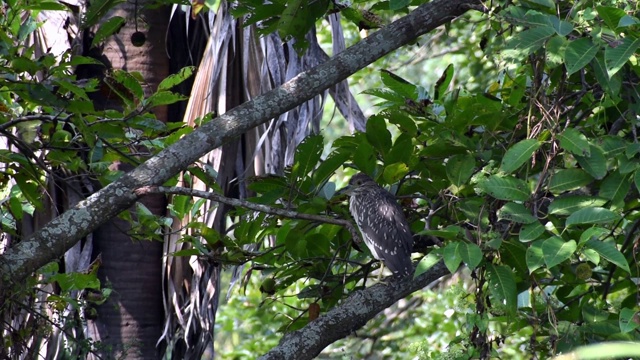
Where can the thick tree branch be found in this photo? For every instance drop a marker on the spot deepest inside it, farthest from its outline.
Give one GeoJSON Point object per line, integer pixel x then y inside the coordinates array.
{"type": "Point", "coordinates": [349, 316]}
{"type": "Point", "coordinates": [61, 233]}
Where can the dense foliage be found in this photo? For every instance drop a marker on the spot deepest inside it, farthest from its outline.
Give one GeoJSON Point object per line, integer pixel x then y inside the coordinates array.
{"type": "Point", "coordinates": [527, 175]}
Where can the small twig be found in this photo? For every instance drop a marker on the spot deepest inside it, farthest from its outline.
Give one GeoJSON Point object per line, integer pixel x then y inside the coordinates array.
{"type": "Point", "coordinates": [248, 205]}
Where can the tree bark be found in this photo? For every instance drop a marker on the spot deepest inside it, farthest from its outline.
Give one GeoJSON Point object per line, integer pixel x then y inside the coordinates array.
{"type": "Point", "coordinates": [349, 316]}
{"type": "Point", "coordinates": [56, 237]}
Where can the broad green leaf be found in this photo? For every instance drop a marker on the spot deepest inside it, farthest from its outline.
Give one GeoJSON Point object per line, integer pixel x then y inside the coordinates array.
{"type": "Point", "coordinates": [378, 135]}
{"type": "Point", "coordinates": [442, 85]}
{"type": "Point", "coordinates": [401, 151]}
{"type": "Point", "coordinates": [616, 57]}
{"type": "Point", "coordinates": [567, 205]}
{"type": "Point", "coordinates": [175, 79]}
{"type": "Point", "coordinates": [528, 41]}
{"type": "Point", "coordinates": [605, 350]}
{"type": "Point", "coordinates": [506, 188]}
{"type": "Point", "coordinates": [595, 232]}
{"type": "Point", "coordinates": [610, 252]}
{"type": "Point", "coordinates": [562, 28]}
{"type": "Point", "coordinates": [459, 168]}
{"type": "Point", "coordinates": [515, 212]}
{"type": "Point", "coordinates": [592, 215]}
{"type": "Point", "coordinates": [164, 98]}
{"type": "Point", "coordinates": [76, 281]}
{"type": "Point", "coordinates": [568, 179]}
{"type": "Point", "coordinates": [398, 85]}
{"type": "Point", "coordinates": [107, 29]}
{"type": "Point", "coordinates": [398, 4]}
{"type": "Point", "coordinates": [425, 264]}
{"type": "Point", "coordinates": [513, 254]}
{"type": "Point", "coordinates": [575, 142]}
{"type": "Point", "coordinates": [503, 285]}
{"type": "Point", "coordinates": [364, 156]}
{"type": "Point", "coordinates": [531, 231]}
{"type": "Point", "coordinates": [96, 10]}
{"type": "Point", "coordinates": [518, 154]}
{"type": "Point", "coordinates": [535, 257]}
{"type": "Point", "coordinates": [394, 172]}
{"type": "Point", "coordinates": [611, 85]}
{"type": "Point", "coordinates": [636, 179]}
{"type": "Point", "coordinates": [451, 256]}
{"type": "Point", "coordinates": [450, 232]}
{"type": "Point", "coordinates": [45, 5]}
{"type": "Point", "coordinates": [579, 53]}
{"type": "Point", "coordinates": [627, 21]}
{"type": "Point", "coordinates": [610, 15]}
{"type": "Point", "coordinates": [470, 254]}
{"type": "Point", "coordinates": [615, 187]}
{"type": "Point", "coordinates": [555, 250]}
{"type": "Point", "coordinates": [628, 321]}
{"type": "Point", "coordinates": [327, 167]}
{"type": "Point", "coordinates": [307, 156]}
{"type": "Point", "coordinates": [595, 164]}
{"type": "Point", "coordinates": [611, 145]}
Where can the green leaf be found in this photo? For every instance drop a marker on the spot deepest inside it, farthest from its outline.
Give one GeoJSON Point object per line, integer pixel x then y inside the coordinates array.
{"type": "Point", "coordinates": [528, 41]}
{"type": "Point", "coordinates": [107, 29]}
{"type": "Point", "coordinates": [606, 350]}
{"type": "Point", "coordinates": [401, 151]}
{"type": "Point", "coordinates": [610, 252]}
{"type": "Point", "coordinates": [398, 4]}
{"type": "Point", "coordinates": [578, 54]}
{"type": "Point", "coordinates": [567, 205]}
{"type": "Point", "coordinates": [517, 213]}
{"type": "Point", "coordinates": [176, 79]}
{"type": "Point", "coordinates": [451, 256]}
{"type": "Point", "coordinates": [46, 5]}
{"type": "Point", "coordinates": [327, 167]}
{"type": "Point", "coordinates": [568, 179]}
{"type": "Point", "coordinates": [610, 15]}
{"type": "Point", "coordinates": [627, 320]}
{"type": "Point", "coordinates": [364, 156]}
{"type": "Point", "coordinates": [470, 254]}
{"type": "Point", "coordinates": [615, 187]}
{"type": "Point", "coordinates": [164, 98]}
{"type": "Point", "coordinates": [399, 85]}
{"type": "Point", "coordinates": [96, 10]}
{"type": "Point", "coordinates": [442, 85]}
{"type": "Point", "coordinates": [378, 135]}
{"type": "Point", "coordinates": [503, 286]}
{"type": "Point", "coordinates": [425, 264]}
{"type": "Point", "coordinates": [575, 142]}
{"type": "Point", "coordinates": [307, 156]}
{"type": "Point", "coordinates": [76, 281]}
{"type": "Point", "coordinates": [449, 232]}
{"type": "Point", "coordinates": [518, 154]}
{"type": "Point", "coordinates": [535, 257]}
{"type": "Point", "coordinates": [562, 28]}
{"type": "Point", "coordinates": [555, 250]}
{"type": "Point", "coordinates": [636, 179]}
{"type": "Point", "coordinates": [530, 232]}
{"type": "Point", "coordinates": [459, 168]}
{"type": "Point", "coordinates": [595, 164]}
{"type": "Point", "coordinates": [592, 215]}
{"type": "Point", "coordinates": [506, 188]}
{"type": "Point", "coordinates": [616, 57]}
{"type": "Point", "coordinates": [394, 172]}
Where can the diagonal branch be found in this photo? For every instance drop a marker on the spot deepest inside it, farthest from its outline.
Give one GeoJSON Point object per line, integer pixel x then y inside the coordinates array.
{"type": "Point", "coordinates": [249, 205]}
{"type": "Point", "coordinates": [61, 233]}
{"type": "Point", "coordinates": [348, 317]}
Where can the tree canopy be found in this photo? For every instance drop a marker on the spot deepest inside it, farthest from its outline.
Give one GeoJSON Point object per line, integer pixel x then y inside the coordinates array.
{"type": "Point", "coordinates": [517, 167]}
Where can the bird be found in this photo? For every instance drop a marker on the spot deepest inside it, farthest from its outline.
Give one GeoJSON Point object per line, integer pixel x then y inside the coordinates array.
{"type": "Point", "coordinates": [381, 222]}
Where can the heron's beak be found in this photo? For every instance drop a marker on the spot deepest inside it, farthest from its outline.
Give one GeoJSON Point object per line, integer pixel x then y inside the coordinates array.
{"type": "Point", "coordinates": [347, 190]}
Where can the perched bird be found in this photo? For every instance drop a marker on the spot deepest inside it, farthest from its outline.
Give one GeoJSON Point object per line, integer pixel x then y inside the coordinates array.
{"type": "Point", "coordinates": [383, 226]}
